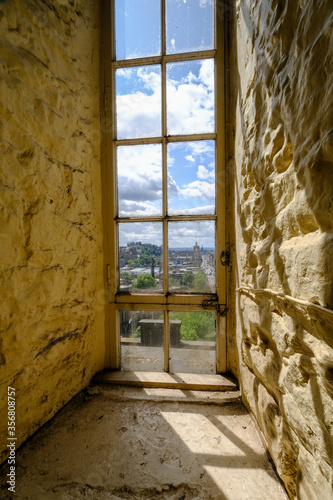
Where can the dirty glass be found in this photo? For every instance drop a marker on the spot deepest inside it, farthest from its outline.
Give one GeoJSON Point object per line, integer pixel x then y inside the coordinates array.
{"type": "Point", "coordinates": [192, 342]}
{"type": "Point", "coordinates": [190, 97]}
{"type": "Point", "coordinates": [141, 339]}
{"type": "Point", "coordinates": [191, 178]}
{"type": "Point", "coordinates": [138, 26]}
{"type": "Point", "coordinates": [192, 257]}
{"type": "Point", "coordinates": [138, 102]}
{"type": "Point", "coordinates": [139, 175]}
{"type": "Point", "coordinates": [140, 257]}
{"type": "Point", "coordinates": [189, 25]}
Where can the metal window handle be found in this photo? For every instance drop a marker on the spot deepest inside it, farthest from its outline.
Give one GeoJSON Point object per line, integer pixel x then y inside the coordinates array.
{"type": "Point", "coordinates": [225, 258]}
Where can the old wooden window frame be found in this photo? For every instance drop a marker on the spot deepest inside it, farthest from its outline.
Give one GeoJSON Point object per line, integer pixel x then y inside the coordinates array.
{"type": "Point", "coordinates": [168, 301]}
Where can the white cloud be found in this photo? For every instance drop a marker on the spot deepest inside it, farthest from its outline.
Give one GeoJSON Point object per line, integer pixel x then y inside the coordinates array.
{"type": "Point", "coordinates": [139, 179]}
{"type": "Point", "coordinates": [204, 173]}
{"type": "Point", "coordinates": [199, 189]}
{"type": "Point", "coordinates": [190, 102]}
{"type": "Point", "coordinates": [138, 115]}
{"type": "Point", "coordinates": [189, 158]}
{"type": "Point", "coordinates": [206, 209]}
{"type": "Point", "coordinates": [185, 234]}
{"type": "Point", "coordinates": [146, 232]}
{"type": "Point", "coordinates": [125, 72]}
{"type": "Point", "coordinates": [130, 208]}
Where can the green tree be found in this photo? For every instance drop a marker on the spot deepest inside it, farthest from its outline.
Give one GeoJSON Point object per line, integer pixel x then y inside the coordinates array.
{"type": "Point", "coordinates": [187, 279]}
{"type": "Point", "coordinates": [196, 325]}
{"type": "Point", "coordinates": [127, 277]}
{"type": "Point", "coordinates": [144, 281]}
{"type": "Point", "coordinates": [200, 282]}
{"type": "Point", "coordinates": [133, 263]}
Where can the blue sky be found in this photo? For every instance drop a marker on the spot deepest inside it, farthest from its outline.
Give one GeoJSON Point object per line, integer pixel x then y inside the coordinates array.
{"type": "Point", "coordinates": [190, 110]}
{"type": "Point", "coordinates": [188, 27]}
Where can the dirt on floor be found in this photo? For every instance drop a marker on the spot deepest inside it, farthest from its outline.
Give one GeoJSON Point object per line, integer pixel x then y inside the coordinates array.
{"type": "Point", "coordinates": [112, 443]}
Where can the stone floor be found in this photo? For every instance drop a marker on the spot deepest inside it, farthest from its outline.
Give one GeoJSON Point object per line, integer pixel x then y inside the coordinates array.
{"type": "Point", "coordinates": [117, 443]}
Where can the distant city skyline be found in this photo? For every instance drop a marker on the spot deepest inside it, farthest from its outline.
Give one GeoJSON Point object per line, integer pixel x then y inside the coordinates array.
{"type": "Point", "coordinates": [182, 234]}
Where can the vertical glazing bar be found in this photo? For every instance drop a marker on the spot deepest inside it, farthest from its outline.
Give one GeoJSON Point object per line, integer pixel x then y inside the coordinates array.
{"type": "Point", "coordinates": [165, 186]}
{"type": "Point", "coordinates": [221, 343]}
{"type": "Point", "coordinates": [166, 340]}
{"type": "Point", "coordinates": [110, 124]}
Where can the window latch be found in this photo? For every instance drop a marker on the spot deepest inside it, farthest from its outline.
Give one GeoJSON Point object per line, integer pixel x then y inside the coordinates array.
{"type": "Point", "coordinates": [221, 309]}
{"type": "Point", "coordinates": [225, 258]}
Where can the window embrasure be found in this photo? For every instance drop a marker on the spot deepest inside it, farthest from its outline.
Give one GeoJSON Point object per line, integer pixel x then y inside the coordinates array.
{"type": "Point", "coordinates": [166, 223]}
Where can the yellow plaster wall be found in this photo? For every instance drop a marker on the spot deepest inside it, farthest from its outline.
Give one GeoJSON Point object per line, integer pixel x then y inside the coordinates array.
{"type": "Point", "coordinates": [51, 285]}
{"type": "Point", "coordinates": [282, 171]}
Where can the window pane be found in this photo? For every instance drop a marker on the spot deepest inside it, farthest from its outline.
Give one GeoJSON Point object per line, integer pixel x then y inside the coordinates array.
{"type": "Point", "coordinates": [140, 257]}
{"type": "Point", "coordinates": [190, 25]}
{"type": "Point", "coordinates": [192, 342]}
{"type": "Point", "coordinates": [138, 24]}
{"type": "Point", "coordinates": [192, 257]}
{"type": "Point", "coordinates": [139, 180]}
{"type": "Point", "coordinates": [191, 178]}
{"type": "Point", "coordinates": [190, 97]}
{"type": "Point", "coordinates": [138, 102]}
{"type": "Point", "coordinates": [141, 336]}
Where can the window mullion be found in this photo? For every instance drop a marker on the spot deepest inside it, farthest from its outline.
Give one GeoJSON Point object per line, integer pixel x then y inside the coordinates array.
{"type": "Point", "coordinates": [165, 186]}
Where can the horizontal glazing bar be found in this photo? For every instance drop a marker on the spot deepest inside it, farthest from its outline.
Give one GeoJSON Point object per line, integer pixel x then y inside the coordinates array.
{"type": "Point", "coordinates": [157, 307]}
{"type": "Point", "coordinates": [138, 141]}
{"type": "Point", "coordinates": [168, 218]}
{"type": "Point", "coordinates": [188, 56]}
{"type": "Point", "coordinates": [161, 300]}
{"type": "Point", "coordinates": [168, 138]}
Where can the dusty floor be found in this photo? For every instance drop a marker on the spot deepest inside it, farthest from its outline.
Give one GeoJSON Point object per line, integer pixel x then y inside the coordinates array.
{"type": "Point", "coordinates": [123, 443]}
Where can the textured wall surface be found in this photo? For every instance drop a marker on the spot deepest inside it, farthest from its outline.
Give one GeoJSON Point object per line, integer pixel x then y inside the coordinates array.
{"type": "Point", "coordinates": [283, 180]}
{"type": "Point", "coordinates": [51, 321]}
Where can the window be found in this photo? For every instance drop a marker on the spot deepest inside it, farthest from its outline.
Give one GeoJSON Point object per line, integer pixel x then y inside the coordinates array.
{"type": "Point", "coordinates": [164, 168]}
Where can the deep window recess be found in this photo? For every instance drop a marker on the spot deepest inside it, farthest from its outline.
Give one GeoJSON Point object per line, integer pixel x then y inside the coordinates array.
{"type": "Point", "coordinates": [164, 102]}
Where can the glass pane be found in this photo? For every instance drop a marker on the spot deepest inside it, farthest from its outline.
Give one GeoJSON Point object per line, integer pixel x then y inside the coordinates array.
{"type": "Point", "coordinates": [138, 102]}
{"type": "Point", "coordinates": [192, 342]}
{"type": "Point", "coordinates": [139, 180]}
{"type": "Point", "coordinates": [192, 257]}
{"type": "Point", "coordinates": [191, 178]}
{"type": "Point", "coordinates": [138, 25]}
{"type": "Point", "coordinates": [140, 257]}
{"type": "Point", "coordinates": [141, 341]}
{"type": "Point", "coordinates": [190, 97]}
{"type": "Point", "coordinates": [190, 25]}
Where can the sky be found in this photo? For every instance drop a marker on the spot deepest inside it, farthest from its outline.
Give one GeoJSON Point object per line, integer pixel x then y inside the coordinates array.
{"type": "Point", "coordinates": [190, 110]}
{"type": "Point", "coordinates": [181, 234]}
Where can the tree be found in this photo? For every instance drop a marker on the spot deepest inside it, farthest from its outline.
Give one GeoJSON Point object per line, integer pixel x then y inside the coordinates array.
{"type": "Point", "coordinates": [127, 277]}
{"type": "Point", "coordinates": [200, 282]}
{"type": "Point", "coordinates": [187, 279]}
{"type": "Point", "coordinates": [144, 281]}
{"type": "Point", "coordinates": [196, 325]}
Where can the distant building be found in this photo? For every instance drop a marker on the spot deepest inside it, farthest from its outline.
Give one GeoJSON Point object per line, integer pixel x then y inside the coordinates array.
{"type": "Point", "coordinates": [196, 255]}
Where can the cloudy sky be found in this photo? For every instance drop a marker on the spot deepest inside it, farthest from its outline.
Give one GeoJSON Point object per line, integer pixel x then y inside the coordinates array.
{"type": "Point", "coordinates": [181, 234]}
{"type": "Point", "coordinates": [190, 110]}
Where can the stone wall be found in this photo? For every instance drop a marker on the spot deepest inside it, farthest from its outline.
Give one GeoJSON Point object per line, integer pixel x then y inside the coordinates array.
{"type": "Point", "coordinates": [51, 288]}
{"type": "Point", "coordinates": [282, 178]}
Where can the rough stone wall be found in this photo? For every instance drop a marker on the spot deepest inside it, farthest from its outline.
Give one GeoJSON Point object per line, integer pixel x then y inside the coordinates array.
{"type": "Point", "coordinates": [52, 312]}
{"type": "Point", "coordinates": [282, 174]}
